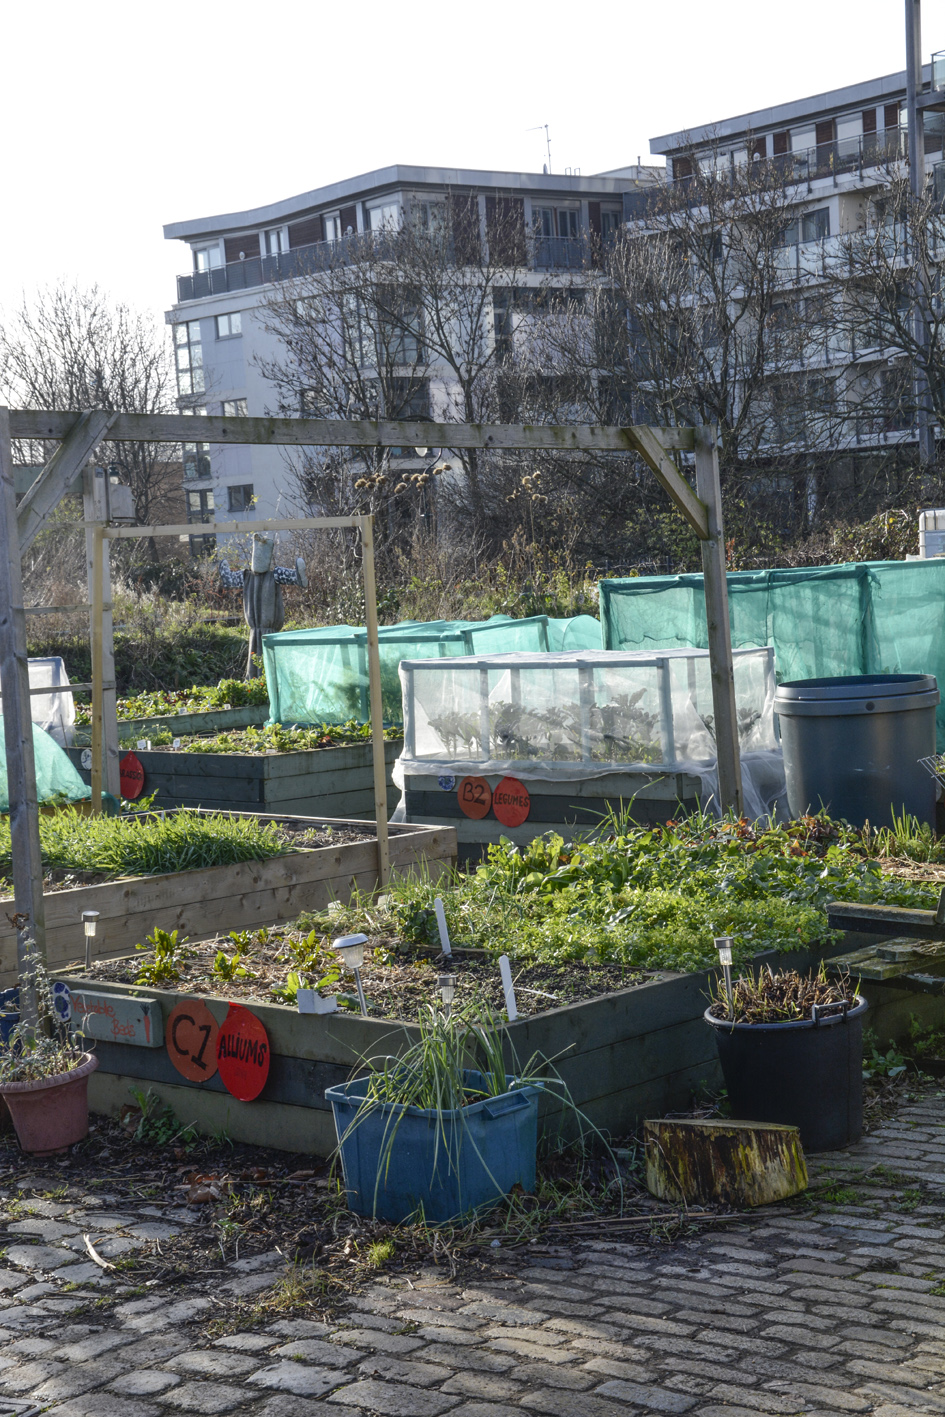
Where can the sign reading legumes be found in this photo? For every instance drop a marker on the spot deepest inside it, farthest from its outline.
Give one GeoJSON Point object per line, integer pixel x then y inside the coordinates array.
{"type": "Point", "coordinates": [242, 1054]}
{"type": "Point", "coordinates": [192, 1040]}
{"type": "Point", "coordinates": [511, 802]}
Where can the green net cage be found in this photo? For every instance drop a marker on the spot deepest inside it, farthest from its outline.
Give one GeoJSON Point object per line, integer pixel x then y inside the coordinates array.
{"type": "Point", "coordinates": [56, 779]}
{"type": "Point", "coordinates": [870, 617]}
{"type": "Point", "coordinates": [321, 676]}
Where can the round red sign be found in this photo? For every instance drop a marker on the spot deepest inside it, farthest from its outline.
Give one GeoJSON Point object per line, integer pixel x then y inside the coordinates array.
{"type": "Point", "coordinates": [511, 802]}
{"type": "Point", "coordinates": [192, 1040]}
{"type": "Point", "coordinates": [242, 1053]}
{"type": "Point", "coordinates": [132, 776]}
{"type": "Point", "coordinates": [475, 797]}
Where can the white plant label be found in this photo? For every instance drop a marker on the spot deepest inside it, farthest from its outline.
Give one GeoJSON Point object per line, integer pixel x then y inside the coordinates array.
{"type": "Point", "coordinates": [441, 923]}
{"type": "Point", "coordinates": [505, 970]}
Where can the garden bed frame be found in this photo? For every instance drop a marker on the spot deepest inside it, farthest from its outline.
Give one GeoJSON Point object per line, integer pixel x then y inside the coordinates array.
{"type": "Point", "coordinates": [636, 1053]}
{"type": "Point", "coordinates": [336, 781]}
{"type": "Point", "coordinates": [239, 896]}
{"type": "Point", "coordinates": [184, 725]}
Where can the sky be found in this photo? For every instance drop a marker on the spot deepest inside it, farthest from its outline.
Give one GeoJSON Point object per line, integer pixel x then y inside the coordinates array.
{"type": "Point", "coordinates": [118, 117]}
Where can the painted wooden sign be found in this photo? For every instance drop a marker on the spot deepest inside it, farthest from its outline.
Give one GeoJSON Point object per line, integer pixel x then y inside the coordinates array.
{"type": "Point", "coordinates": [475, 797]}
{"type": "Point", "coordinates": [62, 1001]}
{"type": "Point", "coordinates": [511, 802]}
{"type": "Point", "coordinates": [132, 776]}
{"type": "Point", "coordinates": [243, 1053]}
{"type": "Point", "coordinates": [192, 1040]}
{"type": "Point", "coordinates": [117, 1018]}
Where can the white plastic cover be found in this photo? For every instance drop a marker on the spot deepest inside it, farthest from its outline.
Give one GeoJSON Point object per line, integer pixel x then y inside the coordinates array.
{"type": "Point", "coordinates": [561, 717]}
{"type": "Point", "coordinates": [53, 712]}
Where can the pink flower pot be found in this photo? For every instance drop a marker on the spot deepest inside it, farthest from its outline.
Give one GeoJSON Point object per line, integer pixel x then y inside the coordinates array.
{"type": "Point", "coordinates": [51, 1114]}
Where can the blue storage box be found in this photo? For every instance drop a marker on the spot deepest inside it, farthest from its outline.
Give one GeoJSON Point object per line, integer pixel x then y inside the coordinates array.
{"type": "Point", "coordinates": [446, 1164]}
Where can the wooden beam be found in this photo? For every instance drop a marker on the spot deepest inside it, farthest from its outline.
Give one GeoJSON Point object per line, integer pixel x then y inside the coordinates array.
{"type": "Point", "coordinates": [717, 624]}
{"type": "Point", "coordinates": [119, 533]}
{"type": "Point", "coordinates": [68, 460]}
{"type": "Point", "coordinates": [376, 698]}
{"type": "Point", "coordinates": [319, 432]}
{"type": "Point", "coordinates": [652, 446]}
{"type": "Point", "coordinates": [18, 732]}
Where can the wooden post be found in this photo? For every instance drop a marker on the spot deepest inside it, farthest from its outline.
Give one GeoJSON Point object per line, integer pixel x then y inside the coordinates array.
{"type": "Point", "coordinates": [366, 526]}
{"type": "Point", "coordinates": [709, 491]}
{"type": "Point", "coordinates": [29, 918]}
{"type": "Point", "coordinates": [105, 757]}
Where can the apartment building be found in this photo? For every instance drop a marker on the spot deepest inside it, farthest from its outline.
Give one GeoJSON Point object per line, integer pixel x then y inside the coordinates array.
{"type": "Point", "coordinates": [834, 152]}
{"type": "Point", "coordinates": [235, 262]}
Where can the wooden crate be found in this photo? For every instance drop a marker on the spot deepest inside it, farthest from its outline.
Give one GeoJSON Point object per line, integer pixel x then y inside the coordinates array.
{"type": "Point", "coordinates": [236, 897]}
{"type": "Point", "coordinates": [336, 782]}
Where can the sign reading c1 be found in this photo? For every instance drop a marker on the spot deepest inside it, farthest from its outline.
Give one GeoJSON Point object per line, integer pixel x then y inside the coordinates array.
{"type": "Point", "coordinates": [192, 1040]}
{"type": "Point", "coordinates": [242, 1053]}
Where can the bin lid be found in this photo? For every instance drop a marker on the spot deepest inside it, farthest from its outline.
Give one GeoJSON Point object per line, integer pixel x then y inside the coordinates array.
{"type": "Point", "coordinates": [855, 686]}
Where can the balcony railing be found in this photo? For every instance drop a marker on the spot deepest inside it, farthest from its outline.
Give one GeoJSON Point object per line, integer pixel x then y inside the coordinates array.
{"type": "Point", "coordinates": [542, 253]}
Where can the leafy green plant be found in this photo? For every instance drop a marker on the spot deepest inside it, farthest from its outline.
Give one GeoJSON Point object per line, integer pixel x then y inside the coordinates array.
{"type": "Point", "coordinates": [282, 738]}
{"type": "Point", "coordinates": [159, 1126]}
{"type": "Point", "coordinates": [907, 838]}
{"type": "Point", "coordinates": [925, 1041]}
{"type": "Point", "coordinates": [877, 1064]}
{"type": "Point", "coordinates": [228, 968]}
{"type": "Point", "coordinates": [169, 954]}
{"type": "Point", "coordinates": [147, 844]}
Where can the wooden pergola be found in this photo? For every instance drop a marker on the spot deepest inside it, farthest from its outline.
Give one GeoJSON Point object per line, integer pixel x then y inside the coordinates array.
{"type": "Point", "coordinates": [78, 434]}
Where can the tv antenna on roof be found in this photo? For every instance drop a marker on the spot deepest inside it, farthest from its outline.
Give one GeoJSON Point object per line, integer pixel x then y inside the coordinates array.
{"type": "Point", "coordinates": [547, 142]}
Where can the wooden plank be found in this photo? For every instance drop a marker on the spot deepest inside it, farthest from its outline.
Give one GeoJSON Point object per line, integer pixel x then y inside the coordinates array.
{"type": "Point", "coordinates": [884, 920]}
{"type": "Point", "coordinates": [96, 576]}
{"type": "Point", "coordinates": [79, 443]}
{"type": "Point", "coordinates": [375, 698]}
{"type": "Point", "coordinates": [28, 902]}
{"type": "Point", "coordinates": [316, 432]}
{"type": "Point", "coordinates": [651, 444]}
{"type": "Point", "coordinates": [717, 625]}
{"type": "Point", "coordinates": [301, 1129]}
{"type": "Point", "coordinates": [121, 1019]}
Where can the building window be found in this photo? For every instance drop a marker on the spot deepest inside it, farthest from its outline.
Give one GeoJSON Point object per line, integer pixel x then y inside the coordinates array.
{"type": "Point", "coordinates": [332, 228]}
{"type": "Point", "coordinates": [276, 241]}
{"type": "Point", "coordinates": [568, 222]}
{"type": "Point", "coordinates": [240, 499]}
{"type": "Point", "coordinates": [610, 224]}
{"type": "Point", "coordinates": [189, 357]}
{"type": "Point", "coordinates": [207, 258]}
{"type": "Point", "coordinates": [811, 226]}
{"type": "Point", "coordinates": [200, 506]}
{"type": "Point", "coordinates": [229, 325]}
{"type": "Point", "coordinates": [234, 408]}
{"type": "Point", "coordinates": [385, 217]}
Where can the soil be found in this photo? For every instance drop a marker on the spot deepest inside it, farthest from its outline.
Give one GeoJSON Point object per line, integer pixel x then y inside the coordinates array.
{"type": "Point", "coordinates": [395, 986]}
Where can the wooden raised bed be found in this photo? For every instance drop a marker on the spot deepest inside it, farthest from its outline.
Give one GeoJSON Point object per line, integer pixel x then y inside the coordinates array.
{"type": "Point", "coordinates": [336, 782]}
{"type": "Point", "coordinates": [236, 897]}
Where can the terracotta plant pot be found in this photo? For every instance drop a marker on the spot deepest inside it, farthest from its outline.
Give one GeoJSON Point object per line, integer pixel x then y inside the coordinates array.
{"type": "Point", "coordinates": [51, 1114]}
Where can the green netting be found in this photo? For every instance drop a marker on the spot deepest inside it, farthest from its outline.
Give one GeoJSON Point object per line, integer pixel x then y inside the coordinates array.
{"type": "Point", "coordinates": [321, 676]}
{"type": "Point", "coordinates": [870, 617]}
{"type": "Point", "coordinates": [56, 779]}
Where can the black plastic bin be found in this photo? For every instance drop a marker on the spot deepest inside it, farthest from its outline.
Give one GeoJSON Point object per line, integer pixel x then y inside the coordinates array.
{"type": "Point", "coordinates": [852, 746]}
{"type": "Point", "coordinates": [807, 1074]}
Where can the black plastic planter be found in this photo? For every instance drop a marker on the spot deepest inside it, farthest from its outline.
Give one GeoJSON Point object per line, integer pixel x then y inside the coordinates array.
{"type": "Point", "coordinates": [807, 1074]}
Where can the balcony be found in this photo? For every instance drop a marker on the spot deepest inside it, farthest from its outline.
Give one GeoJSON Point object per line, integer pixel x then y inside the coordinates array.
{"type": "Point", "coordinates": [544, 253]}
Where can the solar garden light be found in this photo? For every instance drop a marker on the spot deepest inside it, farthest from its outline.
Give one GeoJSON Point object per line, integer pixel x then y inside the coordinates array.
{"type": "Point", "coordinates": [90, 923]}
{"type": "Point", "coordinates": [724, 947]}
{"type": "Point", "coordinates": [351, 949]}
{"type": "Point", "coordinates": [446, 983]}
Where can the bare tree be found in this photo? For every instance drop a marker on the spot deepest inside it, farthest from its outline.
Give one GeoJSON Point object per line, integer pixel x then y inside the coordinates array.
{"type": "Point", "coordinates": [72, 348]}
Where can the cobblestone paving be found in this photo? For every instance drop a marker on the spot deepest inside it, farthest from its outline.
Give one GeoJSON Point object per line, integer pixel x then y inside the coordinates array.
{"type": "Point", "coordinates": [835, 1307]}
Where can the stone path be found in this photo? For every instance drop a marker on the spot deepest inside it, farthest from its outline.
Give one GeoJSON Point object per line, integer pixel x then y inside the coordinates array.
{"type": "Point", "coordinates": [836, 1307]}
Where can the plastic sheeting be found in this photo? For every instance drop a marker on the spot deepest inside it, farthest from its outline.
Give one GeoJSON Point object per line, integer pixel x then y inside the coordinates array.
{"type": "Point", "coordinates": [321, 676]}
{"type": "Point", "coordinates": [564, 717]}
{"type": "Point", "coordinates": [868, 617]}
{"type": "Point", "coordinates": [54, 712]}
{"type": "Point", "coordinates": [56, 779]}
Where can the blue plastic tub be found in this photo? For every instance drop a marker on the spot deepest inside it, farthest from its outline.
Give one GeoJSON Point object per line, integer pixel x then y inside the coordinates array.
{"type": "Point", "coordinates": [477, 1162]}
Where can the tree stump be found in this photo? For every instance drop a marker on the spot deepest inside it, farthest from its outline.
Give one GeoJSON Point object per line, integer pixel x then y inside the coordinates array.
{"type": "Point", "coordinates": [722, 1162]}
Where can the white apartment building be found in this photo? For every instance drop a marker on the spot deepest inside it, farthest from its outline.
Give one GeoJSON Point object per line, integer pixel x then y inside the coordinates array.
{"type": "Point", "coordinates": [236, 260]}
